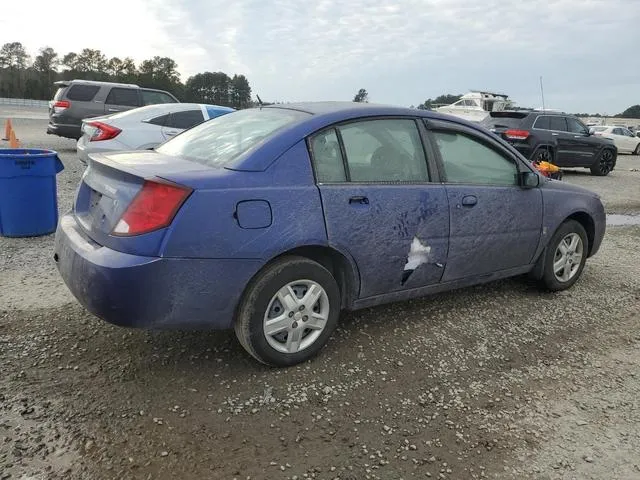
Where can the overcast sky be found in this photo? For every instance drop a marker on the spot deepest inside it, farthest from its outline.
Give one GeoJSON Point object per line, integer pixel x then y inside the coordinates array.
{"type": "Point", "coordinates": [401, 51]}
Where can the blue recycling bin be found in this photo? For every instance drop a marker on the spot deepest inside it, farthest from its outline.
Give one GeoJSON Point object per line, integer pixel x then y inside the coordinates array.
{"type": "Point", "coordinates": [28, 193]}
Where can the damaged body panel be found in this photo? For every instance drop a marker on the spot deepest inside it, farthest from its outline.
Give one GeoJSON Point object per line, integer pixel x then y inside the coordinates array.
{"type": "Point", "coordinates": [379, 233]}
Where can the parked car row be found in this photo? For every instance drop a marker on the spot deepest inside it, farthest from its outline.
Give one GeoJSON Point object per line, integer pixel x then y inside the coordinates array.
{"type": "Point", "coordinates": [273, 220]}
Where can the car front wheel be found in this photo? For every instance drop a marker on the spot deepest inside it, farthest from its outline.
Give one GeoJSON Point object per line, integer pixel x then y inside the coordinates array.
{"type": "Point", "coordinates": [288, 312]}
{"type": "Point", "coordinates": [605, 163]}
{"type": "Point", "coordinates": [566, 256]}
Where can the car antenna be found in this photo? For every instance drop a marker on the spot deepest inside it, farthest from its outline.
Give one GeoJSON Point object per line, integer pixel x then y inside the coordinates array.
{"type": "Point", "coordinates": [542, 93]}
{"type": "Point", "coordinates": [259, 100]}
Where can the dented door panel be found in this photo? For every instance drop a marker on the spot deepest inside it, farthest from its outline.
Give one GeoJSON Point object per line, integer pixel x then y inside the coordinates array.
{"type": "Point", "coordinates": [500, 230]}
{"type": "Point", "coordinates": [397, 234]}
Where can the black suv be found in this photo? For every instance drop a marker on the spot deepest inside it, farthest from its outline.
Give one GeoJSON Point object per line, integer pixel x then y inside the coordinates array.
{"type": "Point", "coordinates": [78, 99]}
{"type": "Point", "coordinates": [554, 137]}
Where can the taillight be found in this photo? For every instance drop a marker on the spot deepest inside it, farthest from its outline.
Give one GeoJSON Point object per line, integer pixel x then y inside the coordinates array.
{"type": "Point", "coordinates": [516, 134]}
{"type": "Point", "coordinates": [103, 131]}
{"type": "Point", "coordinates": [60, 105]}
{"type": "Point", "coordinates": [153, 208]}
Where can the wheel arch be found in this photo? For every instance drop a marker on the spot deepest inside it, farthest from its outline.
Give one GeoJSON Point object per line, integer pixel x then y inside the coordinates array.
{"type": "Point", "coordinates": [587, 222]}
{"type": "Point", "coordinates": [341, 265]}
{"type": "Point", "coordinates": [589, 225]}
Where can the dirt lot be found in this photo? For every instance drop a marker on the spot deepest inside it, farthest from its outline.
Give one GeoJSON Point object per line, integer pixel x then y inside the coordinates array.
{"type": "Point", "coordinates": [498, 381]}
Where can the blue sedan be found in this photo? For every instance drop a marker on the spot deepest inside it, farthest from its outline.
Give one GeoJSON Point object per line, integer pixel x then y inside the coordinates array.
{"type": "Point", "coordinates": [273, 220]}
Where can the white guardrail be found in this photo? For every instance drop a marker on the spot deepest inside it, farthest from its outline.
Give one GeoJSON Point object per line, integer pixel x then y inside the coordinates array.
{"type": "Point", "coordinates": [24, 102]}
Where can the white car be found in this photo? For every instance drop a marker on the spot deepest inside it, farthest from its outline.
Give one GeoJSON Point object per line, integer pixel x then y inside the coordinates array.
{"type": "Point", "coordinates": [142, 128]}
{"type": "Point", "coordinates": [624, 140]}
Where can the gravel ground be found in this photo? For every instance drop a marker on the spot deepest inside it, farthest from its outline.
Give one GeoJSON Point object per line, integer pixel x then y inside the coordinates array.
{"type": "Point", "coordinates": [497, 381]}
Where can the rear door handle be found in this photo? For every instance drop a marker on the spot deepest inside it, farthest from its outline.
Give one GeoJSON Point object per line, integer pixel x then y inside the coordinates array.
{"type": "Point", "coordinates": [359, 199]}
{"type": "Point", "coordinates": [555, 134]}
{"type": "Point", "coordinates": [469, 200]}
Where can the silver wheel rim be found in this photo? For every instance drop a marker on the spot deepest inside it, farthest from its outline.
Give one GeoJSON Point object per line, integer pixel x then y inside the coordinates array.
{"type": "Point", "coordinates": [296, 316]}
{"type": "Point", "coordinates": [568, 257]}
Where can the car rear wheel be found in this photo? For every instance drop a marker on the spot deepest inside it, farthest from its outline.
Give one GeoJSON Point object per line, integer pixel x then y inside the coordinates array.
{"type": "Point", "coordinates": [288, 312]}
{"type": "Point", "coordinates": [637, 150]}
{"type": "Point", "coordinates": [566, 256]}
{"type": "Point", "coordinates": [605, 163]}
{"type": "Point", "coordinates": [542, 154]}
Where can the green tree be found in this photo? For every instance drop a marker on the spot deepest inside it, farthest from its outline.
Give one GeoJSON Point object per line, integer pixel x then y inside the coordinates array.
{"type": "Point", "coordinates": [631, 112]}
{"type": "Point", "coordinates": [45, 65]}
{"type": "Point", "coordinates": [240, 94]}
{"type": "Point", "coordinates": [13, 61]}
{"type": "Point", "coordinates": [210, 87]}
{"type": "Point", "coordinates": [362, 96]}
{"type": "Point", "coordinates": [13, 55]}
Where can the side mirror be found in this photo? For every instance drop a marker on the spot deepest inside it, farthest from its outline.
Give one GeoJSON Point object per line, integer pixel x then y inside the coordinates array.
{"type": "Point", "coordinates": [529, 179]}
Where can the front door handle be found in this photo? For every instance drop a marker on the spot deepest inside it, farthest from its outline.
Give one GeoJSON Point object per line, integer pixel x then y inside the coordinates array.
{"type": "Point", "coordinates": [555, 134]}
{"type": "Point", "coordinates": [469, 200]}
{"type": "Point", "coordinates": [359, 199]}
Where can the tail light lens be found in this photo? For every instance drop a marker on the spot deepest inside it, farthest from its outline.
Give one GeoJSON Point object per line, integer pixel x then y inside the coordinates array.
{"type": "Point", "coordinates": [102, 131]}
{"type": "Point", "coordinates": [513, 134]}
{"type": "Point", "coordinates": [153, 208]}
{"type": "Point", "coordinates": [60, 105]}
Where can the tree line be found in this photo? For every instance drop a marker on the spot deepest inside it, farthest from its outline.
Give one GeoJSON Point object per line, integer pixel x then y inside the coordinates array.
{"type": "Point", "coordinates": [24, 77]}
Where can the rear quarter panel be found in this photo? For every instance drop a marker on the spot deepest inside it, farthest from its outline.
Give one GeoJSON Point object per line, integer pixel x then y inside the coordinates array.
{"type": "Point", "coordinates": [206, 226]}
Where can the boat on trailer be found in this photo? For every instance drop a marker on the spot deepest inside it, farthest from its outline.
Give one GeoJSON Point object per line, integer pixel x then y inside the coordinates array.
{"type": "Point", "coordinates": [476, 105]}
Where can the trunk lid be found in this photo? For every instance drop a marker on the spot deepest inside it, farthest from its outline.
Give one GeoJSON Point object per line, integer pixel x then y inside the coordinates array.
{"type": "Point", "coordinates": [109, 185]}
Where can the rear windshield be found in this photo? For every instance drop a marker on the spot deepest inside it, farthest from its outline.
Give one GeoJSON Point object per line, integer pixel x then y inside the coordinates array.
{"type": "Point", "coordinates": [503, 119]}
{"type": "Point", "coordinates": [219, 142]}
{"type": "Point", "coordinates": [82, 93]}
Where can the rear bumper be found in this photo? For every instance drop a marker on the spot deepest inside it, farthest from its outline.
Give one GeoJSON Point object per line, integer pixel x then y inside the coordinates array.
{"type": "Point", "coordinates": [149, 292]}
{"type": "Point", "coordinates": [67, 131]}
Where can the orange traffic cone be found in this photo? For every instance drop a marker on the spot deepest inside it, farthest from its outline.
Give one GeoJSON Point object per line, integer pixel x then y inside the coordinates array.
{"type": "Point", "coordinates": [13, 141]}
{"type": "Point", "coordinates": [7, 129]}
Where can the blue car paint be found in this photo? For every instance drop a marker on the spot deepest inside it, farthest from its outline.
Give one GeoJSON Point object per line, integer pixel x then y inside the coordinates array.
{"type": "Point", "coordinates": [202, 267]}
{"type": "Point", "coordinates": [149, 292]}
{"type": "Point", "coordinates": [378, 235]}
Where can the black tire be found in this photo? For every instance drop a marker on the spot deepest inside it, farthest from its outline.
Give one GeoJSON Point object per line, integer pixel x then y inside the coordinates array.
{"type": "Point", "coordinates": [259, 295]}
{"type": "Point", "coordinates": [549, 279]}
{"type": "Point", "coordinates": [637, 150]}
{"type": "Point", "coordinates": [605, 164]}
{"type": "Point", "coordinates": [542, 154]}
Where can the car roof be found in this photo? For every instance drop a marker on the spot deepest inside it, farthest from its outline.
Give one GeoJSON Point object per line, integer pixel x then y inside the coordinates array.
{"type": "Point", "coordinates": [66, 83]}
{"type": "Point", "coordinates": [323, 108]}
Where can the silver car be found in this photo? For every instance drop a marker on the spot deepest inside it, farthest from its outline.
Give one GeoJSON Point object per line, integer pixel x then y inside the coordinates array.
{"type": "Point", "coordinates": [142, 128]}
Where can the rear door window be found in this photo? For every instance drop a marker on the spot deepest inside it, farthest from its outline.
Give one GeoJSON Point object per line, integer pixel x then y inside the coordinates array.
{"type": "Point", "coordinates": [384, 151]}
{"type": "Point", "coordinates": [151, 97]}
{"type": "Point", "coordinates": [184, 120]}
{"type": "Point", "coordinates": [127, 97]}
{"type": "Point", "coordinates": [82, 93]}
{"type": "Point", "coordinates": [161, 120]}
{"type": "Point", "coordinates": [558, 124]}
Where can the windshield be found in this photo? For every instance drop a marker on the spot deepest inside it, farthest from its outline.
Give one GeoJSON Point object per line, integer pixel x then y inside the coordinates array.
{"type": "Point", "coordinates": [218, 142]}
